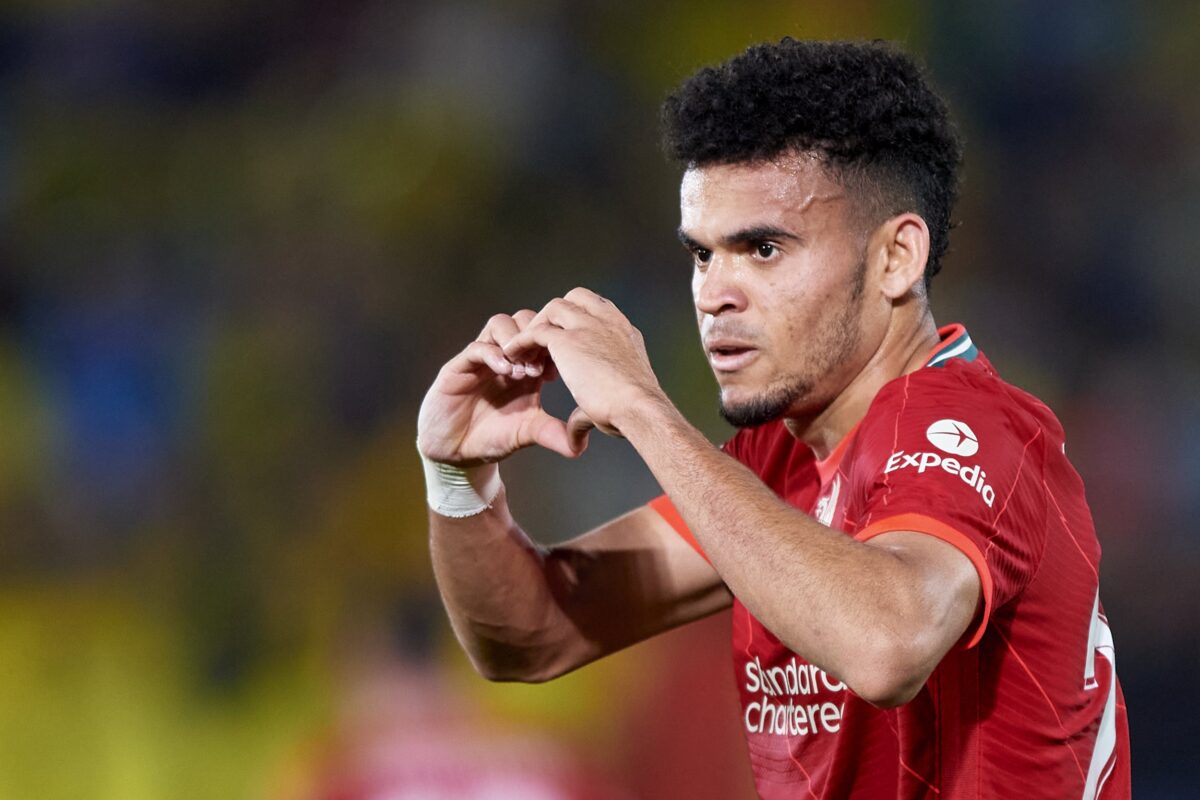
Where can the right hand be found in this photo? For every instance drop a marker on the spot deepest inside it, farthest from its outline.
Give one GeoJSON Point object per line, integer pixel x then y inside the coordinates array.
{"type": "Point", "coordinates": [482, 407]}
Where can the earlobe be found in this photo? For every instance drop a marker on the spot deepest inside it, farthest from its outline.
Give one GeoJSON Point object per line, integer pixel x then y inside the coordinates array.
{"type": "Point", "coordinates": [907, 243]}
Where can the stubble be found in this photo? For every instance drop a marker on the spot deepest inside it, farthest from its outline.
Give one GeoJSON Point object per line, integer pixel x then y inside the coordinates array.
{"type": "Point", "coordinates": [835, 343]}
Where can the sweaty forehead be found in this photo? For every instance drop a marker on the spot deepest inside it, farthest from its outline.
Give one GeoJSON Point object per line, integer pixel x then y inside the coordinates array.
{"type": "Point", "coordinates": [792, 189]}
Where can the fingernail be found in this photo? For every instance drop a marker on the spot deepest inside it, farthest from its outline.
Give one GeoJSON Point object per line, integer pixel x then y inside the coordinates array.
{"type": "Point", "coordinates": [518, 370]}
{"type": "Point", "coordinates": [533, 370]}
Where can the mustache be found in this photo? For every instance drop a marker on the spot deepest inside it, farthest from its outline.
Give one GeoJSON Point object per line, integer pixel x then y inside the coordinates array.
{"type": "Point", "coordinates": [713, 328]}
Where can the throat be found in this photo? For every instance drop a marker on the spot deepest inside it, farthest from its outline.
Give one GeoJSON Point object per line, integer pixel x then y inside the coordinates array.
{"type": "Point", "coordinates": [895, 356]}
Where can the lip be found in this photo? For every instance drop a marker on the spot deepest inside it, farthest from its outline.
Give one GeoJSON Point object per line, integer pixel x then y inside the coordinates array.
{"type": "Point", "coordinates": [727, 355]}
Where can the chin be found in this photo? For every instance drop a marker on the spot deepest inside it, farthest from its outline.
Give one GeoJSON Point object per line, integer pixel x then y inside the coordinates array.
{"type": "Point", "coordinates": [749, 408]}
{"type": "Point", "coordinates": [750, 412]}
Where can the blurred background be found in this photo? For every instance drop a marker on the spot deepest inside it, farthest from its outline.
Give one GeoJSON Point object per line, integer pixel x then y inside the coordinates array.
{"type": "Point", "coordinates": [238, 239]}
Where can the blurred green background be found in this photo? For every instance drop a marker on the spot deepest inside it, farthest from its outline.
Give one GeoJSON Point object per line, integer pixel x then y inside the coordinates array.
{"type": "Point", "coordinates": [239, 239]}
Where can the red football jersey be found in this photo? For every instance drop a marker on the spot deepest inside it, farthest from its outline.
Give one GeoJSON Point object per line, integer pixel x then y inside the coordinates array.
{"type": "Point", "coordinates": [1027, 705]}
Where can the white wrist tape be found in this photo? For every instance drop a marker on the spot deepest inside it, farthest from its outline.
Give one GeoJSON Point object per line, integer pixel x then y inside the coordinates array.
{"type": "Point", "coordinates": [461, 491]}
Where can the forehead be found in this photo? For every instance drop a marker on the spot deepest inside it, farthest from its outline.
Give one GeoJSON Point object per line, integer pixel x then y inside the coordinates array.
{"type": "Point", "coordinates": [789, 191]}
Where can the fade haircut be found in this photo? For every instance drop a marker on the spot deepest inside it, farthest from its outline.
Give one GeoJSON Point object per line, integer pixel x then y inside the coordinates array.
{"type": "Point", "coordinates": [864, 109]}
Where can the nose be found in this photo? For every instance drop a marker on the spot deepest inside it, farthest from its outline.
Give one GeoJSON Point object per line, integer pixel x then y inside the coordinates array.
{"type": "Point", "coordinates": [718, 290]}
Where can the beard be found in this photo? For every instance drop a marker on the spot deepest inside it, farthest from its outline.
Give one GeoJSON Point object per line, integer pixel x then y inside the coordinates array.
{"type": "Point", "coordinates": [766, 407]}
{"type": "Point", "coordinates": [834, 344]}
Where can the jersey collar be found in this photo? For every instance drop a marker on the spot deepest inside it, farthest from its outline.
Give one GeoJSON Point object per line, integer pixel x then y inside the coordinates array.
{"type": "Point", "coordinates": [827, 467]}
{"type": "Point", "coordinates": [954, 342]}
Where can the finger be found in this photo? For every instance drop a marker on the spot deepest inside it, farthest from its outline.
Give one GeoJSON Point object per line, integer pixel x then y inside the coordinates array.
{"type": "Point", "coordinates": [562, 313]}
{"type": "Point", "coordinates": [509, 326]}
{"type": "Point", "coordinates": [551, 433]}
{"type": "Point", "coordinates": [578, 426]}
{"type": "Point", "coordinates": [587, 299]}
{"type": "Point", "coordinates": [543, 364]}
{"type": "Point", "coordinates": [498, 330]}
{"type": "Point", "coordinates": [532, 342]}
{"type": "Point", "coordinates": [557, 314]}
{"type": "Point", "coordinates": [478, 354]}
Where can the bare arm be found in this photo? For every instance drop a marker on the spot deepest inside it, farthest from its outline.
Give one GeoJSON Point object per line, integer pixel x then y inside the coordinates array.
{"type": "Point", "coordinates": [521, 611]}
{"type": "Point", "coordinates": [879, 615]}
{"type": "Point", "coordinates": [524, 612]}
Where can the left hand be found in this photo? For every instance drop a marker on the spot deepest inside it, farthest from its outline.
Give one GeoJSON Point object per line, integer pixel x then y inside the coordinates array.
{"type": "Point", "coordinates": [600, 356]}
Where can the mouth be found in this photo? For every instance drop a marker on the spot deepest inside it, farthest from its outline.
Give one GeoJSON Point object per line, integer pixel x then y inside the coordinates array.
{"type": "Point", "coordinates": [730, 356]}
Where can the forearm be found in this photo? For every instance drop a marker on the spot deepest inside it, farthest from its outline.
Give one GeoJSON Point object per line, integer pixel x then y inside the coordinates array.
{"type": "Point", "coordinates": [496, 587]}
{"type": "Point", "coordinates": [529, 613]}
{"type": "Point", "coordinates": [843, 605]}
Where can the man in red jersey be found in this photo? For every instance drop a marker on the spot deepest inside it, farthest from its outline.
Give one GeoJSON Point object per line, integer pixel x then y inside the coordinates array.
{"type": "Point", "coordinates": [910, 559]}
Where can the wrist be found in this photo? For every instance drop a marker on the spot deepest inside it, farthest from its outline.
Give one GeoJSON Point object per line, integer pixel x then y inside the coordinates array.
{"type": "Point", "coordinates": [454, 491]}
{"type": "Point", "coordinates": [649, 411]}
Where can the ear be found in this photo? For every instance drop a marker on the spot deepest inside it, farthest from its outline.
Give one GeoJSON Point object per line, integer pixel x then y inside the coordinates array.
{"type": "Point", "coordinates": [902, 244]}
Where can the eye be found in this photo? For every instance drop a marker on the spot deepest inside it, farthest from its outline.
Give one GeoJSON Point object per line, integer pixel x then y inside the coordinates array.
{"type": "Point", "coordinates": [765, 250]}
{"type": "Point", "coordinates": [702, 256]}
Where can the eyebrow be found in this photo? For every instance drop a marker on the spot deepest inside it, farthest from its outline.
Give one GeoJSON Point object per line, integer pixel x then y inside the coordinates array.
{"type": "Point", "coordinates": [755, 233]}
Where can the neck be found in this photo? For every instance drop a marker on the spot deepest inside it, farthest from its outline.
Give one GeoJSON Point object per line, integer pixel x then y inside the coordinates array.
{"type": "Point", "coordinates": [902, 351]}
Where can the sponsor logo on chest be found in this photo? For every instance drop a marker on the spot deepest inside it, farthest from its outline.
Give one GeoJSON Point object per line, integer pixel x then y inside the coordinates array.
{"type": "Point", "coordinates": [785, 700]}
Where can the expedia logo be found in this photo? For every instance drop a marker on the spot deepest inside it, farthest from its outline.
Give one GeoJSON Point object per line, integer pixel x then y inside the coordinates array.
{"type": "Point", "coordinates": [949, 436]}
{"type": "Point", "coordinates": [953, 437]}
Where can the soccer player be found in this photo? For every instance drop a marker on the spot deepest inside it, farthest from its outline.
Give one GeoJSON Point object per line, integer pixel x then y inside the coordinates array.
{"type": "Point", "coordinates": [912, 565]}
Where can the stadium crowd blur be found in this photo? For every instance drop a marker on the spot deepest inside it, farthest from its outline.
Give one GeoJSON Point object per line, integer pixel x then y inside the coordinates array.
{"type": "Point", "coordinates": [240, 238]}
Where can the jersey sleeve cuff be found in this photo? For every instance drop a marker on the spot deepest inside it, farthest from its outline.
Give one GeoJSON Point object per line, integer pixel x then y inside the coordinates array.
{"type": "Point", "coordinates": [919, 523]}
{"type": "Point", "coordinates": [666, 509]}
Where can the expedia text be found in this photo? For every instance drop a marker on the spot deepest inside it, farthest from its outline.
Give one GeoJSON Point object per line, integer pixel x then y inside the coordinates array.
{"type": "Point", "coordinates": [972, 475]}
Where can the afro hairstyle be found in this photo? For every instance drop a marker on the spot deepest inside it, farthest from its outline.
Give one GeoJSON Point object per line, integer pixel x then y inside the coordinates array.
{"type": "Point", "coordinates": [864, 109]}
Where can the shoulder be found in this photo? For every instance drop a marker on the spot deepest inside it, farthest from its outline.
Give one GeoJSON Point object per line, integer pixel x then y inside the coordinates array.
{"type": "Point", "coordinates": [960, 409]}
{"type": "Point", "coordinates": [964, 389]}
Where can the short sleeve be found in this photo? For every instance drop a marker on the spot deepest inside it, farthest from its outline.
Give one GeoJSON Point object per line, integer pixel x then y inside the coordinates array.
{"type": "Point", "coordinates": [666, 509]}
{"type": "Point", "coordinates": [957, 459]}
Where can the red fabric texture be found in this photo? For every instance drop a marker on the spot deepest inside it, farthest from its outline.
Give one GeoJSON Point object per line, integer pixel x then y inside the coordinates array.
{"type": "Point", "coordinates": [1028, 704]}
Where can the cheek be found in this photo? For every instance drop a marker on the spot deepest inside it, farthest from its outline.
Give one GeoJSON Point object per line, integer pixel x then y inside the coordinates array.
{"type": "Point", "coordinates": [798, 310]}
{"type": "Point", "coordinates": [788, 305]}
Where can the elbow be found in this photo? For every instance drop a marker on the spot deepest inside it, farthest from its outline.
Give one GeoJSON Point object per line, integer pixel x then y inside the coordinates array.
{"type": "Point", "coordinates": [513, 673]}
{"type": "Point", "coordinates": [891, 674]}
{"type": "Point", "coordinates": [504, 663]}
{"type": "Point", "coordinates": [889, 691]}
{"type": "Point", "coordinates": [492, 670]}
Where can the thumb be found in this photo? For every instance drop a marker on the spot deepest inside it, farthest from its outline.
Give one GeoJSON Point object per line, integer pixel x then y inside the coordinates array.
{"type": "Point", "coordinates": [578, 426]}
{"type": "Point", "coordinates": [553, 434]}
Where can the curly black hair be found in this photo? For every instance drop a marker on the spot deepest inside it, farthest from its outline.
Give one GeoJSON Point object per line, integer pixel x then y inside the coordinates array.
{"type": "Point", "coordinates": [864, 108]}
